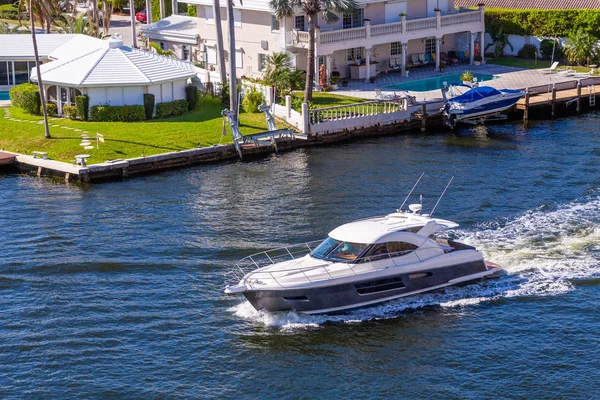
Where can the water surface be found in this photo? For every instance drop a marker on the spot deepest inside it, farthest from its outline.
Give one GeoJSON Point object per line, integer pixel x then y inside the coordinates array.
{"type": "Point", "coordinates": [115, 290]}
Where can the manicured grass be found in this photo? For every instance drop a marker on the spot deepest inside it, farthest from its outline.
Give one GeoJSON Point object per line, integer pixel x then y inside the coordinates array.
{"type": "Point", "coordinates": [124, 140]}
{"type": "Point", "coordinates": [531, 64]}
{"type": "Point", "coordinates": [329, 99]}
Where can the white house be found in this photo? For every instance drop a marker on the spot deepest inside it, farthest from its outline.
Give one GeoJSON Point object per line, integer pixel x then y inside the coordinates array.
{"type": "Point", "coordinates": [17, 58]}
{"type": "Point", "coordinates": [378, 35]}
{"type": "Point", "coordinates": [114, 74]}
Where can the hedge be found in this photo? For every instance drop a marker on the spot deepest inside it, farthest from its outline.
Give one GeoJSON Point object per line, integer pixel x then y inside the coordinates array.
{"type": "Point", "coordinates": [26, 96]}
{"type": "Point", "coordinates": [542, 22]}
{"type": "Point", "coordinates": [51, 109]}
{"type": "Point", "coordinates": [9, 11]}
{"type": "Point", "coordinates": [171, 108]}
{"type": "Point", "coordinates": [149, 105]}
{"type": "Point", "coordinates": [70, 112]}
{"type": "Point", "coordinates": [192, 10]}
{"type": "Point", "coordinates": [83, 106]}
{"type": "Point", "coordinates": [191, 95]}
{"type": "Point", "coordinates": [181, 8]}
{"type": "Point", "coordinates": [108, 113]}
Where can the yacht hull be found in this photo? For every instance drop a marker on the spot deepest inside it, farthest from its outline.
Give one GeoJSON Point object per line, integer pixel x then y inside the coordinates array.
{"type": "Point", "coordinates": [363, 293]}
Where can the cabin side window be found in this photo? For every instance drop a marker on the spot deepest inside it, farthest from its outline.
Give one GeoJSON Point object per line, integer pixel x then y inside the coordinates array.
{"type": "Point", "coordinates": [390, 249]}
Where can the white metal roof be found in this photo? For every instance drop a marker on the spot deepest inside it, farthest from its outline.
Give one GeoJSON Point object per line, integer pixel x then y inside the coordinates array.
{"type": "Point", "coordinates": [179, 28]}
{"type": "Point", "coordinates": [114, 65]}
{"type": "Point", "coordinates": [20, 47]}
{"type": "Point", "coordinates": [385, 229]}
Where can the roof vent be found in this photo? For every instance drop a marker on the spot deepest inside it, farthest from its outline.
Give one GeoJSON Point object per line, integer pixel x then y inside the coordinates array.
{"type": "Point", "coordinates": [415, 208]}
{"type": "Point", "coordinates": [114, 43]}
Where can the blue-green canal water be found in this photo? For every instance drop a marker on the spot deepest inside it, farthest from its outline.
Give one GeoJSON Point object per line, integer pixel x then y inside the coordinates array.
{"type": "Point", "coordinates": [115, 290]}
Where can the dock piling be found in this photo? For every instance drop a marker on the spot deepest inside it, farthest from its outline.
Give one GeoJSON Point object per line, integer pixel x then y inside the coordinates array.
{"type": "Point", "coordinates": [553, 100]}
{"type": "Point", "coordinates": [423, 117]}
{"type": "Point", "coordinates": [578, 96]}
{"type": "Point", "coordinates": [526, 111]}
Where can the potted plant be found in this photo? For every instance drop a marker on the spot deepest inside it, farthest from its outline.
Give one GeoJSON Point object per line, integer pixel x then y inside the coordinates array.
{"type": "Point", "coordinates": [477, 60]}
{"type": "Point", "coordinates": [372, 79]}
{"type": "Point", "coordinates": [467, 77]}
{"type": "Point", "coordinates": [333, 81]}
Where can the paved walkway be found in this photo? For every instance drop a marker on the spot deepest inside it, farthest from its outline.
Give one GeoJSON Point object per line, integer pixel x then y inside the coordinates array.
{"type": "Point", "coordinates": [507, 77]}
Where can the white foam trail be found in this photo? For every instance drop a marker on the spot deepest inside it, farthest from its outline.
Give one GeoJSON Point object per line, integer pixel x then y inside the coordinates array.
{"type": "Point", "coordinates": [542, 252]}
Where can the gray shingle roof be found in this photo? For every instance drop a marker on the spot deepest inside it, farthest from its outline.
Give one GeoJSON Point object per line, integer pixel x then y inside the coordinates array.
{"type": "Point", "coordinates": [532, 4]}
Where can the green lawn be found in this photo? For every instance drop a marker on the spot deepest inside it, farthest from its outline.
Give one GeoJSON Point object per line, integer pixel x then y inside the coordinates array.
{"type": "Point", "coordinates": [329, 99]}
{"type": "Point", "coordinates": [124, 140]}
{"type": "Point", "coordinates": [531, 64]}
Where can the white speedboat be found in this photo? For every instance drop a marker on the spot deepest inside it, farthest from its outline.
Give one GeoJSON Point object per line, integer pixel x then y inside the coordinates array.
{"type": "Point", "coordinates": [479, 103]}
{"type": "Point", "coordinates": [361, 263]}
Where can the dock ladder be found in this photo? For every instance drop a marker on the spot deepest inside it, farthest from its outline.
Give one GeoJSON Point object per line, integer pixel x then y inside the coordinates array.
{"type": "Point", "coordinates": [592, 89]}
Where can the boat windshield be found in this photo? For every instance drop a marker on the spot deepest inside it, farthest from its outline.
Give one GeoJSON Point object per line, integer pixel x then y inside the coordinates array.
{"type": "Point", "coordinates": [335, 250]}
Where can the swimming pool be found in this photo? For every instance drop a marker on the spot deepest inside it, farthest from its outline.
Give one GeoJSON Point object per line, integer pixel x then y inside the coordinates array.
{"type": "Point", "coordinates": [423, 85]}
{"type": "Point", "coordinates": [4, 96]}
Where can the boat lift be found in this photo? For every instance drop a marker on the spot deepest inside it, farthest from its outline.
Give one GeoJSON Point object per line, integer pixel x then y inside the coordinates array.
{"type": "Point", "coordinates": [257, 139]}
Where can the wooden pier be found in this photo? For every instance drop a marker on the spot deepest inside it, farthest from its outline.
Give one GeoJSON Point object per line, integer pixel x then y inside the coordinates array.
{"type": "Point", "coordinates": [563, 94]}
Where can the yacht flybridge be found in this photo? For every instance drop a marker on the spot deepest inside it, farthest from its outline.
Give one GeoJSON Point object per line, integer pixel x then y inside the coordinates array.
{"type": "Point", "coordinates": [359, 264]}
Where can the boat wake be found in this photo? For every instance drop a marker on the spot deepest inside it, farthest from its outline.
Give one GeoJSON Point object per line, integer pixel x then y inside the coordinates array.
{"type": "Point", "coordinates": [543, 251]}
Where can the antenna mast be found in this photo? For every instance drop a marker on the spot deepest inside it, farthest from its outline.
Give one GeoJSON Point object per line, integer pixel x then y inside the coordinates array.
{"type": "Point", "coordinates": [411, 190]}
{"type": "Point", "coordinates": [440, 198]}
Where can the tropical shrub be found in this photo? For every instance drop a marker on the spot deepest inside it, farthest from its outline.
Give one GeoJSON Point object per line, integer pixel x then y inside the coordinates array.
{"type": "Point", "coordinates": [252, 100]}
{"type": "Point", "coordinates": [527, 51]}
{"type": "Point", "coordinates": [83, 106]}
{"type": "Point", "coordinates": [192, 10]}
{"type": "Point", "coordinates": [9, 11]}
{"type": "Point", "coordinates": [149, 105]}
{"type": "Point", "coordinates": [546, 48]}
{"type": "Point", "coordinates": [191, 95]}
{"type": "Point", "coordinates": [70, 112]}
{"type": "Point", "coordinates": [108, 113]}
{"type": "Point", "coordinates": [171, 108]}
{"type": "Point", "coordinates": [51, 109]}
{"type": "Point", "coordinates": [467, 76]}
{"type": "Point", "coordinates": [280, 74]}
{"type": "Point", "coordinates": [26, 96]}
{"type": "Point", "coordinates": [581, 47]}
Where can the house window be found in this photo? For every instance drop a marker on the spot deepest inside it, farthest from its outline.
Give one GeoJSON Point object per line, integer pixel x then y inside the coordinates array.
{"type": "Point", "coordinates": [396, 48]}
{"type": "Point", "coordinates": [262, 61]}
{"type": "Point", "coordinates": [162, 45]}
{"type": "Point", "coordinates": [239, 60]}
{"type": "Point", "coordinates": [274, 23]}
{"type": "Point", "coordinates": [185, 53]}
{"type": "Point", "coordinates": [237, 18]}
{"type": "Point", "coordinates": [430, 46]}
{"type": "Point", "coordinates": [355, 54]}
{"type": "Point", "coordinates": [21, 72]}
{"type": "Point", "coordinates": [299, 23]}
{"type": "Point", "coordinates": [4, 73]}
{"type": "Point", "coordinates": [353, 20]}
{"type": "Point", "coordinates": [208, 15]}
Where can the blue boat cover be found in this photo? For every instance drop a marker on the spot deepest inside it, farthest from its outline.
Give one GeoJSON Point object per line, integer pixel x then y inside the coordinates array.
{"type": "Point", "coordinates": [476, 94]}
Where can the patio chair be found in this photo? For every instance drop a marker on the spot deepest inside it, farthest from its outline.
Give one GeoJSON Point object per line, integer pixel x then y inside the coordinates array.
{"type": "Point", "coordinates": [453, 57]}
{"type": "Point", "coordinates": [427, 58]}
{"type": "Point", "coordinates": [551, 69]}
{"type": "Point", "coordinates": [414, 59]}
{"type": "Point", "coordinates": [421, 58]}
{"type": "Point", "coordinates": [386, 96]}
{"type": "Point", "coordinates": [461, 57]}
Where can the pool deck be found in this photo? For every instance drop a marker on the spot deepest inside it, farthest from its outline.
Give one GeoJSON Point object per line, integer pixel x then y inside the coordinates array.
{"type": "Point", "coordinates": [508, 78]}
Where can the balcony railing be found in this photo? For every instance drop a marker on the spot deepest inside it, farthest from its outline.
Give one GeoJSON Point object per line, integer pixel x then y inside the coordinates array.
{"type": "Point", "coordinates": [377, 33]}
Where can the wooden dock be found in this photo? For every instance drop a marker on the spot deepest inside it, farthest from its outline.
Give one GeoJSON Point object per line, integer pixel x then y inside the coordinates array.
{"type": "Point", "coordinates": [7, 158]}
{"type": "Point", "coordinates": [562, 94]}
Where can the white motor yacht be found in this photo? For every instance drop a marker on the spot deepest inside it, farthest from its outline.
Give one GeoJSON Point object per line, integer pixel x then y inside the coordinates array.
{"type": "Point", "coordinates": [361, 263]}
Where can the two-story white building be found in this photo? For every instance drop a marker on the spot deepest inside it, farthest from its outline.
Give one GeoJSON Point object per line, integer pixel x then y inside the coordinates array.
{"type": "Point", "coordinates": [384, 35]}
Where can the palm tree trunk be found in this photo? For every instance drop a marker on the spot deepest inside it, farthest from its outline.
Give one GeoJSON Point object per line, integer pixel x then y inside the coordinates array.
{"type": "Point", "coordinates": [132, 18]}
{"type": "Point", "coordinates": [48, 23]}
{"type": "Point", "coordinates": [37, 67]}
{"type": "Point", "coordinates": [220, 49]}
{"type": "Point", "coordinates": [95, 17]}
{"type": "Point", "coordinates": [148, 12]}
{"type": "Point", "coordinates": [106, 16]}
{"type": "Point", "coordinates": [310, 59]}
{"type": "Point", "coordinates": [232, 75]}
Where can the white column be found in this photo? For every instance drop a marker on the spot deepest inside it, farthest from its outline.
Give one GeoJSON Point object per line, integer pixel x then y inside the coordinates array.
{"type": "Point", "coordinates": [148, 12]}
{"type": "Point", "coordinates": [368, 64]}
{"type": "Point", "coordinates": [472, 52]}
{"type": "Point", "coordinates": [59, 99]}
{"type": "Point", "coordinates": [162, 8]}
{"type": "Point", "coordinates": [328, 67]}
{"type": "Point", "coordinates": [482, 47]}
{"type": "Point", "coordinates": [173, 7]}
{"type": "Point", "coordinates": [404, 45]}
{"type": "Point", "coordinates": [317, 74]}
{"type": "Point", "coordinates": [438, 47]}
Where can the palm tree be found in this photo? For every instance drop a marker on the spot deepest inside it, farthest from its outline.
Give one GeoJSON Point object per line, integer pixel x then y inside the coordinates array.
{"type": "Point", "coordinates": [43, 10]}
{"type": "Point", "coordinates": [37, 67]}
{"type": "Point", "coordinates": [132, 20]}
{"type": "Point", "coordinates": [220, 50]}
{"type": "Point", "coordinates": [280, 74]}
{"type": "Point", "coordinates": [581, 47]}
{"type": "Point", "coordinates": [232, 73]}
{"type": "Point", "coordinates": [161, 52]}
{"type": "Point", "coordinates": [69, 24]}
{"type": "Point", "coordinates": [311, 8]}
{"type": "Point", "coordinates": [107, 9]}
